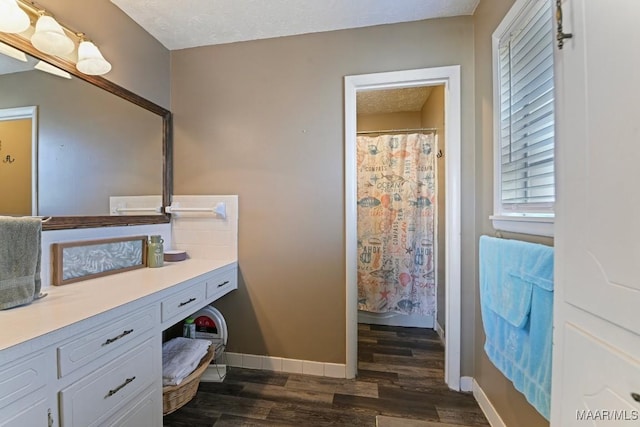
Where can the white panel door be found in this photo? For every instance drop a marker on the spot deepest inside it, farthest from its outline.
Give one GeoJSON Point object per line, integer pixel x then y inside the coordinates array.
{"type": "Point", "coordinates": [597, 228]}
{"type": "Point", "coordinates": [599, 159]}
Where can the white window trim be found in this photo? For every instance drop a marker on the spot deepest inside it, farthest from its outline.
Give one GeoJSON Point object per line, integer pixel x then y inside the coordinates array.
{"type": "Point", "coordinates": [525, 224]}
{"type": "Point", "coordinates": [530, 223]}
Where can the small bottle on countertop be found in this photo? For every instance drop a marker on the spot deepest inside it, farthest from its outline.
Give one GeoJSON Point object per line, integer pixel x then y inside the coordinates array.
{"type": "Point", "coordinates": [189, 328]}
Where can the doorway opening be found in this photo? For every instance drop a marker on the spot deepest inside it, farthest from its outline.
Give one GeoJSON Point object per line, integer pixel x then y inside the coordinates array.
{"type": "Point", "coordinates": [449, 79]}
{"type": "Point", "coordinates": [19, 161]}
{"type": "Point", "coordinates": [401, 206]}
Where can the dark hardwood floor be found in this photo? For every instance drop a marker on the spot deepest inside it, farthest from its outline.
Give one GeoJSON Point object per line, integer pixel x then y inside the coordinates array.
{"type": "Point", "coordinates": [400, 383]}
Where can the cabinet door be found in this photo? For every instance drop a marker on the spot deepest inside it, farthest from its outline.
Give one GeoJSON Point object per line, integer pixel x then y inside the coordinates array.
{"type": "Point", "coordinates": [145, 412]}
{"type": "Point", "coordinates": [597, 230]}
{"type": "Point", "coordinates": [21, 378]}
{"type": "Point", "coordinates": [28, 412]}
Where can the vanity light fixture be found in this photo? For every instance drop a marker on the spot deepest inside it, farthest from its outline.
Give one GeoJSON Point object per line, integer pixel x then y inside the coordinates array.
{"type": "Point", "coordinates": [90, 60]}
{"type": "Point", "coordinates": [48, 68]}
{"type": "Point", "coordinates": [50, 38]}
{"type": "Point", "coordinates": [12, 52]}
{"type": "Point", "coordinates": [12, 18]}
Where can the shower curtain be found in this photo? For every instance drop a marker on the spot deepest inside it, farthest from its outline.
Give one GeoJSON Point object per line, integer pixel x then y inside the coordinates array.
{"type": "Point", "coordinates": [396, 214]}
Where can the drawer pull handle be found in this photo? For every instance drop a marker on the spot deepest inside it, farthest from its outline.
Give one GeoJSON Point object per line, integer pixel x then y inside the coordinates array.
{"type": "Point", "coordinates": [120, 387]}
{"type": "Point", "coordinates": [635, 396]}
{"type": "Point", "coordinates": [123, 334]}
{"type": "Point", "coordinates": [186, 302]}
{"type": "Point", "coordinates": [223, 283]}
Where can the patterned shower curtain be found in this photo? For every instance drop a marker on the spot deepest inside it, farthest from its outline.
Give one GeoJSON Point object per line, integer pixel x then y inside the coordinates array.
{"type": "Point", "coordinates": [396, 214]}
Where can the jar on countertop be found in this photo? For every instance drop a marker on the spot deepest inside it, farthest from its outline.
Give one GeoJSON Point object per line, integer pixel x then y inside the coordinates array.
{"type": "Point", "coordinates": [155, 251]}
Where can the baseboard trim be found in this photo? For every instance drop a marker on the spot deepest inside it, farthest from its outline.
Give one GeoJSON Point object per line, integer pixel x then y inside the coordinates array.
{"type": "Point", "coordinates": [485, 404]}
{"type": "Point", "coordinates": [281, 364]}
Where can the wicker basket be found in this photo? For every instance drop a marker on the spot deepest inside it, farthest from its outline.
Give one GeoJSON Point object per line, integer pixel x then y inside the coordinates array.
{"type": "Point", "coordinates": [175, 397]}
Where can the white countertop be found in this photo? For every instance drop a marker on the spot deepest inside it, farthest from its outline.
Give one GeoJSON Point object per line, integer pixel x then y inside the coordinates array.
{"type": "Point", "coordinates": [68, 304]}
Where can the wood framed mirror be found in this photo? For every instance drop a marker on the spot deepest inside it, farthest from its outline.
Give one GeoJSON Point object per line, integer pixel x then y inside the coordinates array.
{"type": "Point", "coordinates": [88, 220]}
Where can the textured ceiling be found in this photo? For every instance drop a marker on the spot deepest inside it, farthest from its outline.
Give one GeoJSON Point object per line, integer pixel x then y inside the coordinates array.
{"type": "Point", "coordinates": [392, 100]}
{"type": "Point", "coordinates": [190, 23]}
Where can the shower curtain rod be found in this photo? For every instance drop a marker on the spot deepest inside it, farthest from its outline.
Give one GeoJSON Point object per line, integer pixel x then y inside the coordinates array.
{"type": "Point", "coordinates": [365, 132]}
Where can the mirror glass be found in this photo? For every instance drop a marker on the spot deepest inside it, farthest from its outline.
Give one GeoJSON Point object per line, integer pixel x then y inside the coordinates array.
{"type": "Point", "coordinates": [90, 145]}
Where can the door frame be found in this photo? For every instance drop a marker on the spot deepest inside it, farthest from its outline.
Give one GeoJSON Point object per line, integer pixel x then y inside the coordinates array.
{"type": "Point", "coordinates": [30, 112]}
{"type": "Point", "coordinates": [449, 76]}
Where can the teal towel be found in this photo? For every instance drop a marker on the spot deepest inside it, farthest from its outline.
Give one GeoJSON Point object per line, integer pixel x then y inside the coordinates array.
{"type": "Point", "coordinates": [510, 278]}
{"type": "Point", "coordinates": [516, 300]}
{"type": "Point", "coordinates": [20, 253]}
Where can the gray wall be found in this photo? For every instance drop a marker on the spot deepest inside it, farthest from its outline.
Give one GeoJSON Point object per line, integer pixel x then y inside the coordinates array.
{"type": "Point", "coordinates": [264, 120]}
{"type": "Point", "coordinates": [91, 143]}
{"type": "Point", "coordinates": [510, 404]}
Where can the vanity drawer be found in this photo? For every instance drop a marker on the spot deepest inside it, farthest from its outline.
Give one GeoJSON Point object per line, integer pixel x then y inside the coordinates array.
{"type": "Point", "coordinates": [96, 397]}
{"type": "Point", "coordinates": [183, 303]}
{"type": "Point", "coordinates": [116, 336]}
{"type": "Point", "coordinates": [222, 283]}
{"type": "Point", "coordinates": [22, 378]}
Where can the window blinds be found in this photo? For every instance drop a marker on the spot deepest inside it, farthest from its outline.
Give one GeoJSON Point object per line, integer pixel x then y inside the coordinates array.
{"type": "Point", "coordinates": [526, 116]}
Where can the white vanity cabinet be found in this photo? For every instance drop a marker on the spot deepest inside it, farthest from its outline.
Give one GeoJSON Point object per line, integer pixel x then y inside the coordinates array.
{"type": "Point", "coordinates": [112, 339]}
{"type": "Point", "coordinates": [34, 411]}
{"type": "Point", "coordinates": [24, 400]}
{"type": "Point", "coordinates": [141, 413]}
{"type": "Point", "coordinates": [98, 395]}
{"type": "Point", "coordinates": [180, 305]}
{"type": "Point", "coordinates": [91, 353]}
{"type": "Point", "coordinates": [221, 283]}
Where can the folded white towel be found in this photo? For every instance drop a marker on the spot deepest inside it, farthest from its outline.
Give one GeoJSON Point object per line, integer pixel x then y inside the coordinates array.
{"type": "Point", "coordinates": [180, 357]}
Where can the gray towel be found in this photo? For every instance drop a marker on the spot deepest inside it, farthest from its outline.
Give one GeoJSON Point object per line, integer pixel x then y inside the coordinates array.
{"type": "Point", "coordinates": [20, 253]}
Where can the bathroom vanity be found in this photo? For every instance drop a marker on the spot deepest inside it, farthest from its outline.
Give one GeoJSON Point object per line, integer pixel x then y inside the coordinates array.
{"type": "Point", "coordinates": [90, 353]}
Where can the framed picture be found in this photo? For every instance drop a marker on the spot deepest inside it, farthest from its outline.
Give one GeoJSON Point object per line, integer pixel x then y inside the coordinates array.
{"type": "Point", "coordinates": [75, 261]}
